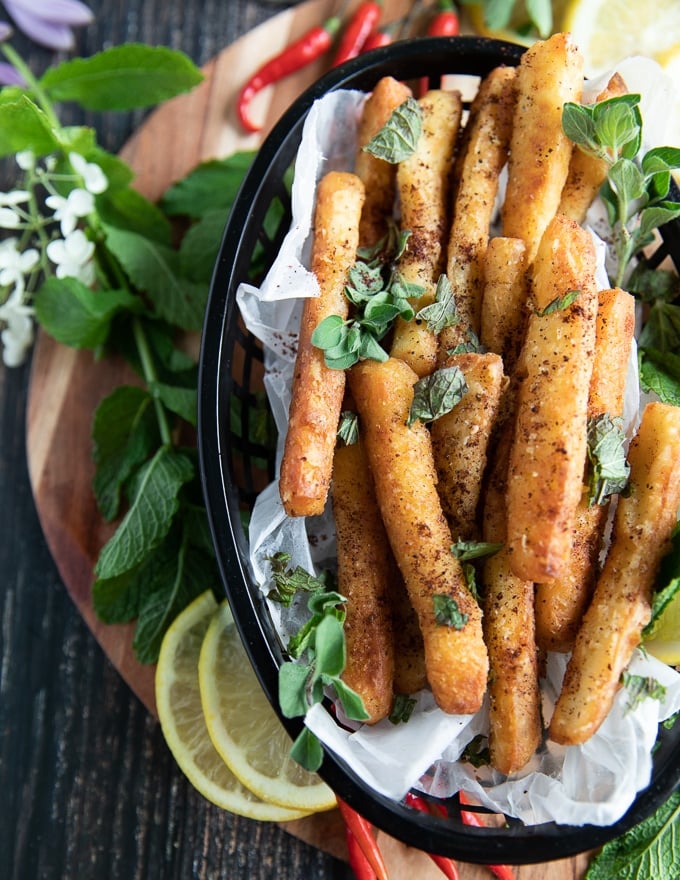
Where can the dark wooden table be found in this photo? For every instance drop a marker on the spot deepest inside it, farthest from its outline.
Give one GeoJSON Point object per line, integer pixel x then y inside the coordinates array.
{"type": "Point", "coordinates": [88, 786]}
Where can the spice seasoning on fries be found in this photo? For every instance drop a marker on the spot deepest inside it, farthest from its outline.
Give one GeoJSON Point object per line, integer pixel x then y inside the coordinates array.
{"type": "Point", "coordinates": [513, 445]}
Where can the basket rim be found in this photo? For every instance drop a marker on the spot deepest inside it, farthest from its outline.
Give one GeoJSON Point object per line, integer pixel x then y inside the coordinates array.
{"type": "Point", "coordinates": [547, 841]}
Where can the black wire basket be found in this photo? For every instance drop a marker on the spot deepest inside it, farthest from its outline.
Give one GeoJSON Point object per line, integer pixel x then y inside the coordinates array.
{"type": "Point", "coordinates": [237, 462]}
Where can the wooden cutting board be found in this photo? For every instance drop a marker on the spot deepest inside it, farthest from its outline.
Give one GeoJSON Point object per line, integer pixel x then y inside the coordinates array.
{"type": "Point", "coordinates": [66, 385]}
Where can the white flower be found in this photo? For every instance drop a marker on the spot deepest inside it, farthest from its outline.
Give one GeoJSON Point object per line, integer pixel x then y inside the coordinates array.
{"type": "Point", "coordinates": [9, 219]}
{"type": "Point", "coordinates": [17, 336]}
{"type": "Point", "coordinates": [15, 197]}
{"type": "Point", "coordinates": [14, 264]}
{"type": "Point", "coordinates": [26, 160]}
{"type": "Point", "coordinates": [94, 178]}
{"type": "Point", "coordinates": [79, 203]}
{"type": "Point", "coordinates": [73, 256]}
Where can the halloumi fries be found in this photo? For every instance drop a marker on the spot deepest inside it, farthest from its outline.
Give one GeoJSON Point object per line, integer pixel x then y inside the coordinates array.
{"type": "Point", "coordinates": [379, 177]}
{"type": "Point", "coordinates": [621, 606]}
{"type": "Point", "coordinates": [318, 391]}
{"type": "Point", "coordinates": [401, 461]}
{"type": "Point", "coordinates": [423, 183]}
{"type": "Point", "coordinates": [548, 454]}
{"type": "Point", "coordinates": [504, 315]}
{"type": "Point", "coordinates": [482, 155]}
{"type": "Point", "coordinates": [560, 603]}
{"type": "Point", "coordinates": [364, 566]}
{"type": "Point", "coordinates": [460, 441]}
{"type": "Point", "coordinates": [550, 74]}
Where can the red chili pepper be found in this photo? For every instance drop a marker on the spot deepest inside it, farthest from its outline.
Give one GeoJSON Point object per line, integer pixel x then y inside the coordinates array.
{"type": "Point", "coordinates": [503, 872]}
{"type": "Point", "coordinates": [357, 31]}
{"type": "Point", "coordinates": [357, 860]}
{"type": "Point", "coordinates": [445, 23]}
{"type": "Point", "coordinates": [299, 54]}
{"type": "Point", "coordinates": [446, 866]}
{"type": "Point", "coordinates": [376, 39]}
{"type": "Point", "coordinates": [362, 830]}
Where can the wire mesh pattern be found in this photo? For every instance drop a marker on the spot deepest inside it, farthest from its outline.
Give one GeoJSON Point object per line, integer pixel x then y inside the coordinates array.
{"type": "Point", "coordinates": [238, 458]}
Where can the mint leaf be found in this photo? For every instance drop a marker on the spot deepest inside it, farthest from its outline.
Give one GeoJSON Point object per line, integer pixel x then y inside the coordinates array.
{"type": "Point", "coordinates": [127, 209]}
{"type": "Point", "coordinates": [117, 600]}
{"type": "Point", "coordinates": [200, 246]}
{"type": "Point", "coordinates": [182, 401]}
{"type": "Point", "coordinates": [293, 679]}
{"type": "Point", "coordinates": [398, 138]}
{"type": "Point", "coordinates": [329, 646]}
{"type": "Point", "coordinates": [540, 13]}
{"type": "Point", "coordinates": [667, 584]}
{"type": "Point", "coordinates": [442, 312]}
{"type": "Point", "coordinates": [437, 394]}
{"type": "Point", "coordinates": [608, 470]}
{"type": "Point", "coordinates": [641, 688]}
{"type": "Point", "coordinates": [352, 704]}
{"type": "Point", "coordinates": [122, 78]}
{"type": "Point", "coordinates": [124, 434]}
{"type": "Point", "coordinates": [660, 373]}
{"type": "Point", "coordinates": [662, 328]}
{"type": "Point", "coordinates": [348, 428]}
{"type": "Point", "coordinates": [77, 316]}
{"type": "Point", "coordinates": [467, 550]}
{"type": "Point", "coordinates": [647, 850]}
{"type": "Point", "coordinates": [154, 269]}
{"type": "Point", "coordinates": [559, 303]}
{"type": "Point", "coordinates": [211, 186]}
{"type": "Point", "coordinates": [151, 513]}
{"type": "Point", "coordinates": [402, 709]}
{"type": "Point", "coordinates": [23, 126]}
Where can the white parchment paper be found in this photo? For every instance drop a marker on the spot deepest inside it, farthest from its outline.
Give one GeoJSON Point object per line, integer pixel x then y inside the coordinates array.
{"type": "Point", "coordinates": [594, 783]}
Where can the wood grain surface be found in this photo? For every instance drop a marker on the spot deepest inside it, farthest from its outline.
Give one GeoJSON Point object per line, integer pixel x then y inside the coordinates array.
{"type": "Point", "coordinates": [66, 386]}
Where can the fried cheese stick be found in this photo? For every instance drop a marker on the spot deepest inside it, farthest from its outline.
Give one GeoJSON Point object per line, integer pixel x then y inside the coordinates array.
{"type": "Point", "coordinates": [560, 603]}
{"type": "Point", "coordinates": [550, 73]}
{"type": "Point", "coordinates": [318, 391]}
{"type": "Point", "coordinates": [378, 176]}
{"type": "Point", "coordinates": [423, 185]}
{"type": "Point", "coordinates": [548, 454]}
{"type": "Point", "coordinates": [503, 318]}
{"type": "Point", "coordinates": [482, 155]}
{"type": "Point", "coordinates": [643, 524]}
{"type": "Point", "coordinates": [403, 468]}
{"type": "Point", "coordinates": [364, 566]}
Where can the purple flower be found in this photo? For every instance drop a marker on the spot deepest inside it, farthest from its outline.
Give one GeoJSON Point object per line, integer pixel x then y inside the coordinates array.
{"type": "Point", "coordinates": [49, 22]}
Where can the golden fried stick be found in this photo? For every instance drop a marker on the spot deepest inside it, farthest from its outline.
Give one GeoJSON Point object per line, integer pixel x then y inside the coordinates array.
{"type": "Point", "coordinates": [548, 454]}
{"type": "Point", "coordinates": [550, 73]}
{"type": "Point", "coordinates": [504, 314]}
{"type": "Point", "coordinates": [482, 155]}
{"type": "Point", "coordinates": [587, 173]}
{"type": "Point", "coordinates": [560, 603]}
{"type": "Point", "coordinates": [423, 186]}
{"type": "Point", "coordinates": [643, 524]}
{"type": "Point", "coordinates": [378, 176]}
{"type": "Point", "coordinates": [403, 468]}
{"type": "Point", "coordinates": [317, 390]}
{"type": "Point", "coordinates": [460, 441]}
{"type": "Point", "coordinates": [364, 566]}
{"type": "Point", "coordinates": [515, 725]}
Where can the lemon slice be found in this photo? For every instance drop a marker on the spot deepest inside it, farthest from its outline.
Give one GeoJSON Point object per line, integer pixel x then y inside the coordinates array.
{"type": "Point", "coordinates": [244, 728]}
{"type": "Point", "coordinates": [670, 64]}
{"type": "Point", "coordinates": [181, 716]}
{"type": "Point", "coordinates": [665, 643]}
{"type": "Point", "coordinates": [609, 30]}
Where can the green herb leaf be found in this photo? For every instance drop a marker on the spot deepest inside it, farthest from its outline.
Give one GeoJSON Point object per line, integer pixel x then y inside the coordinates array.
{"type": "Point", "coordinates": [329, 645]}
{"type": "Point", "coordinates": [154, 268]}
{"type": "Point", "coordinates": [150, 516]}
{"type": "Point", "coordinates": [307, 751]}
{"type": "Point", "coordinates": [398, 138]}
{"type": "Point", "coordinates": [559, 303]}
{"type": "Point", "coordinates": [211, 186]}
{"type": "Point", "coordinates": [447, 612]}
{"type": "Point", "coordinates": [127, 209]}
{"type": "Point", "coordinates": [647, 850]}
{"type": "Point", "coordinates": [467, 550]}
{"type": "Point", "coordinates": [182, 401]}
{"type": "Point", "coordinates": [200, 247]}
{"type": "Point", "coordinates": [667, 584]}
{"type": "Point", "coordinates": [348, 429]}
{"type": "Point", "coordinates": [77, 316]}
{"type": "Point", "coordinates": [578, 124]}
{"type": "Point", "coordinates": [608, 469]}
{"type": "Point", "coordinates": [122, 78]}
{"type": "Point", "coordinates": [23, 126]}
{"type": "Point", "coordinates": [125, 433]}
{"type": "Point", "coordinates": [437, 394]}
{"type": "Point", "coordinates": [293, 683]}
{"type": "Point", "coordinates": [476, 752]}
{"type": "Point", "coordinates": [641, 688]}
{"type": "Point", "coordinates": [540, 13]}
{"type": "Point", "coordinates": [352, 704]}
{"type": "Point", "coordinates": [288, 582]}
{"type": "Point", "coordinates": [402, 709]}
{"type": "Point", "coordinates": [442, 312]}
{"type": "Point", "coordinates": [660, 373]}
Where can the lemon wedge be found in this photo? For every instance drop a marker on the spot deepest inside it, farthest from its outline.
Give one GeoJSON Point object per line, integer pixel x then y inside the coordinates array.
{"type": "Point", "coordinates": [609, 30]}
{"type": "Point", "coordinates": [664, 644]}
{"type": "Point", "coordinates": [670, 64]}
{"type": "Point", "coordinates": [245, 730]}
{"type": "Point", "coordinates": [180, 713]}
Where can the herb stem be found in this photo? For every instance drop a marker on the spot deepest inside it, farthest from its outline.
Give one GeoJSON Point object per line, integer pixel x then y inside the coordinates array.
{"type": "Point", "coordinates": [44, 102]}
{"type": "Point", "coordinates": [151, 378]}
